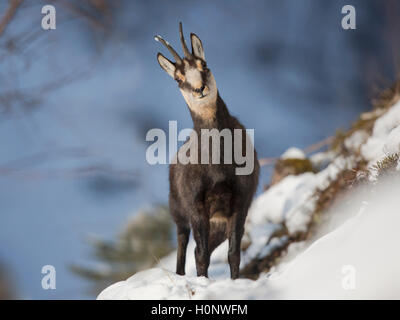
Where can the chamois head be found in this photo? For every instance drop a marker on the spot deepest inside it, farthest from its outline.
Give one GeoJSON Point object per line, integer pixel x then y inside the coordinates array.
{"type": "Point", "coordinates": [195, 80]}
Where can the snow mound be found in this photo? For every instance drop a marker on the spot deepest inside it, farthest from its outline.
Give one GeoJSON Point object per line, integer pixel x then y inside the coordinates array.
{"type": "Point", "coordinates": [155, 283]}
{"type": "Point", "coordinates": [275, 204]}
{"type": "Point", "coordinates": [293, 153]}
{"type": "Point", "coordinates": [385, 138]}
{"type": "Point", "coordinates": [161, 284]}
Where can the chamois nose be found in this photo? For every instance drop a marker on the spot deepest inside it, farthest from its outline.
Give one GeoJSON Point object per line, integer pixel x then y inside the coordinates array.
{"type": "Point", "coordinates": [200, 90]}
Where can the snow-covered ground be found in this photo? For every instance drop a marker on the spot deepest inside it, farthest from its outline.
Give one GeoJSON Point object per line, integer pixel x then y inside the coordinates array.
{"type": "Point", "coordinates": [358, 259]}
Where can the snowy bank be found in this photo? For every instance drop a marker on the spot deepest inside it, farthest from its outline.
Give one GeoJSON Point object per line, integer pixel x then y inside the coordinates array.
{"type": "Point", "coordinates": [357, 259]}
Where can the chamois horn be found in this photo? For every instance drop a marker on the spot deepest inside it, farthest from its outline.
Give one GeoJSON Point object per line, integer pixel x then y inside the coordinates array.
{"type": "Point", "coordinates": [169, 47]}
{"type": "Point", "coordinates": [184, 47]}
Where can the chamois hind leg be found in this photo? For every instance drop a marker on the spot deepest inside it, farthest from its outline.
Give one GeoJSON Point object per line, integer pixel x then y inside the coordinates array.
{"type": "Point", "coordinates": [201, 230]}
{"type": "Point", "coordinates": [183, 239]}
{"type": "Point", "coordinates": [235, 234]}
{"type": "Point", "coordinates": [217, 234]}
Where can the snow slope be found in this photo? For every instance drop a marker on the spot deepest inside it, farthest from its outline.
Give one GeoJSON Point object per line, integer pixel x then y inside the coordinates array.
{"type": "Point", "coordinates": [365, 245]}
{"type": "Point", "coordinates": [357, 260]}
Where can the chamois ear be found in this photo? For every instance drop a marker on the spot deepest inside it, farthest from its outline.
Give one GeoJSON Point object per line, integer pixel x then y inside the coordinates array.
{"type": "Point", "coordinates": [167, 65]}
{"type": "Point", "coordinates": [197, 46]}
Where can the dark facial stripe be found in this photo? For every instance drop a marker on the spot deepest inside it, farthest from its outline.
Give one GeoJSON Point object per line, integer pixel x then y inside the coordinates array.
{"type": "Point", "coordinates": [185, 85]}
{"type": "Point", "coordinates": [192, 63]}
{"type": "Point", "coordinates": [188, 86]}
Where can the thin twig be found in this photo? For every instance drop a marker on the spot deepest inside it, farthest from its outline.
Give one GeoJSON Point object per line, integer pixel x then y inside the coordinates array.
{"type": "Point", "coordinates": [314, 147]}
{"type": "Point", "coordinates": [12, 9]}
{"type": "Point", "coordinates": [84, 13]}
{"type": "Point", "coordinates": [318, 145]}
{"type": "Point", "coordinates": [21, 168]}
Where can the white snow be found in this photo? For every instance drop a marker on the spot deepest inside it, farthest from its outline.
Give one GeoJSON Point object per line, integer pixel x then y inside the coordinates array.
{"type": "Point", "coordinates": [275, 204]}
{"type": "Point", "coordinates": [358, 259]}
{"type": "Point", "coordinates": [385, 136]}
{"type": "Point", "coordinates": [355, 141]}
{"type": "Point", "coordinates": [392, 144]}
{"type": "Point", "coordinates": [289, 202]}
{"type": "Point", "coordinates": [293, 153]}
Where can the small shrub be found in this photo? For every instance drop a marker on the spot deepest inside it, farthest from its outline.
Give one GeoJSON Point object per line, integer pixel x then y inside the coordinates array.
{"type": "Point", "coordinates": [387, 166]}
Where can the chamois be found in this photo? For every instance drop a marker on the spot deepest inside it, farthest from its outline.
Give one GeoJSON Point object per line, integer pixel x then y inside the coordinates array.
{"type": "Point", "coordinates": [211, 199]}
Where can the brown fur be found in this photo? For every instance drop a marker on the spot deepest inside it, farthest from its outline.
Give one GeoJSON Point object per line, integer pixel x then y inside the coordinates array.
{"type": "Point", "coordinates": [210, 198]}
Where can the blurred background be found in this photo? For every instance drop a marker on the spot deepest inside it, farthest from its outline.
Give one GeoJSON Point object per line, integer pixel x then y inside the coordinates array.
{"type": "Point", "coordinates": [76, 191]}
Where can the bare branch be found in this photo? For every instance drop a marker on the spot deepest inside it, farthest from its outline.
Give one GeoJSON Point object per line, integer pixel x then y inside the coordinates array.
{"type": "Point", "coordinates": [318, 145]}
{"type": "Point", "coordinates": [314, 147]}
{"type": "Point", "coordinates": [22, 167]}
{"type": "Point", "coordinates": [89, 14]}
{"type": "Point", "coordinates": [12, 9]}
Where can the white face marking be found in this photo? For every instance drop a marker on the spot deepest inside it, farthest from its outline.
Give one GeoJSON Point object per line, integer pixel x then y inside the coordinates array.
{"type": "Point", "coordinates": [204, 105]}
{"type": "Point", "coordinates": [193, 77]}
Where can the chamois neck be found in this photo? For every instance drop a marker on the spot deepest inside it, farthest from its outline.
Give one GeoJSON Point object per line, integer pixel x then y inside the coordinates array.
{"type": "Point", "coordinates": [218, 119]}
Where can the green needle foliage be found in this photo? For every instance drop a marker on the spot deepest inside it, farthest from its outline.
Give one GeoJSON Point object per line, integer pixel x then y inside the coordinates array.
{"type": "Point", "coordinates": [144, 240]}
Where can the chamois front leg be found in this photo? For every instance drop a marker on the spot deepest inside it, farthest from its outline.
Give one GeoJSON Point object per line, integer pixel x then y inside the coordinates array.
{"type": "Point", "coordinates": [183, 239]}
{"type": "Point", "coordinates": [201, 230]}
{"type": "Point", "coordinates": [235, 234]}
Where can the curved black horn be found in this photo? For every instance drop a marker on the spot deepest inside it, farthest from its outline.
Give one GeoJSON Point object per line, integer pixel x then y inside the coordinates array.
{"type": "Point", "coordinates": [185, 48]}
{"type": "Point", "coordinates": [173, 52]}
